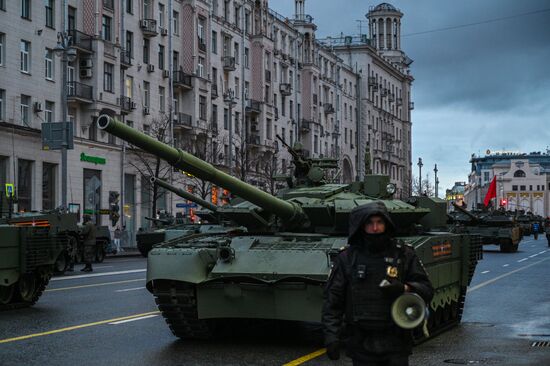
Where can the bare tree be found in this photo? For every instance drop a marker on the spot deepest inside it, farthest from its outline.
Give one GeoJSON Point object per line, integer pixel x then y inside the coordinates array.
{"type": "Point", "coordinates": [426, 189]}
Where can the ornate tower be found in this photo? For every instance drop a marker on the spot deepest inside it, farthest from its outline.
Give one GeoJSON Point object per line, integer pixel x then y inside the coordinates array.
{"type": "Point", "coordinates": [385, 32]}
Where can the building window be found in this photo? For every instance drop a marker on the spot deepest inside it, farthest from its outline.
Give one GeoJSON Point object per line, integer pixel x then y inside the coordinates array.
{"type": "Point", "coordinates": [50, 13]}
{"type": "Point", "coordinates": [3, 5]}
{"type": "Point", "coordinates": [202, 107]}
{"type": "Point", "coordinates": [108, 77]}
{"type": "Point", "coordinates": [146, 94]}
{"type": "Point", "coordinates": [2, 105]}
{"type": "Point", "coordinates": [237, 120]}
{"type": "Point", "coordinates": [176, 23]}
{"type": "Point", "coordinates": [315, 144]}
{"type": "Point", "coordinates": [48, 64]}
{"type": "Point", "coordinates": [200, 67]}
{"type": "Point", "coordinates": [247, 21]}
{"type": "Point", "coordinates": [48, 186]}
{"type": "Point", "coordinates": [214, 42]}
{"type": "Point", "coordinates": [161, 57]}
{"type": "Point", "coordinates": [26, 9]}
{"type": "Point", "coordinates": [519, 174]}
{"type": "Point", "coordinates": [92, 194]}
{"type": "Point", "coordinates": [514, 188]}
{"type": "Point", "coordinates": [145, 51]}
{"type": "Point", "coordinates": [25, 56]}
{"type": "Point", "coordinates": [485, 176]}
{"type": "Point", "coordinates": [25, 109]}
{"type": "Point", "coordinates": [24, 184]}
{"type": "Point", "coordinates": [225, 119]}
{"type": "Point", "coordinates": [268, 129]}
{"type": "Point", "coordinates": [530, 187]}
{"type": "Point", "coordinates": [162, 99]}
{"type": "Point", "coordinates": [106, 28]}
{"type": "Point", "coordinates": [214, 116]}
{"type": "Point", "coordinates": [49, 112]}
{"type": "Point", "coordinates": [201, 26]}
{"type": "Point", "coordinates": [237, 88]}
{"type": "Point", "coordinates": [130, 6]}
{"type": "Point", "coordinates": [237, 53]}
{"type": "Point", "coordinates": [130, 44]}
{"type": "Point", "coordinates": [522, 188]}
{"type": "Point", "coordinates": [247, 57]}
{"type": "Point", "coordinates": [2, 42]}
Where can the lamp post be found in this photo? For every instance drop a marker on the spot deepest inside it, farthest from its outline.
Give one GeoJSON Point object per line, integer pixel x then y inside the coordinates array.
{"type": "Point", "coordinates": [420, 165]}
{"type": "Point", "coordinates": [229, 100]}
{"type": "Point", "coordinates": [436, 181]}
{"type": "Point", "coordinates": [67, 53]}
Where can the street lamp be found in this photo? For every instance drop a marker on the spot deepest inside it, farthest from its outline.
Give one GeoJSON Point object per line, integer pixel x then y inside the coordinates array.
{"type": "Point", "coordinates": [229, 100]}
{"type": "Point", "coordinates": [67, 53]}
{"type": "Point", "coordinates": [436, 181]}
{"type": "Point", "coordinates": [420, 165]}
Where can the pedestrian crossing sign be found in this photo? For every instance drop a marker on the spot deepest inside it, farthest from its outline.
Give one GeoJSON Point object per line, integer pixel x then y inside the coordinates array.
{"type": "Point", "coordinates": [9, 190]}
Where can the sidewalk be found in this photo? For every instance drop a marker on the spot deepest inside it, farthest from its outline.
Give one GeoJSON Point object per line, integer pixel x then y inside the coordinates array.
{"type": "Point", "coordinates": [127, 252]}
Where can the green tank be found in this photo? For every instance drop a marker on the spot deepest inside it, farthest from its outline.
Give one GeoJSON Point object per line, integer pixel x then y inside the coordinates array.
{"type": "Point", "coordinates": [169, 228]}
{"type": "Point", "coordinates": [33, 245]}
{"type": "Point", "coordinates": [495, 228]}
{"type": "Point", "coordinates": [277, 270]}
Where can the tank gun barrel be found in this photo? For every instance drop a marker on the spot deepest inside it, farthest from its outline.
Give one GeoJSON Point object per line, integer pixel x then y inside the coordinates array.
{"type": "Point", "coordinates": [184, 194]}
{"type": "Point", "coordinates": [287, 211]}
{"type": "Point", "coordinates": [466, 212]}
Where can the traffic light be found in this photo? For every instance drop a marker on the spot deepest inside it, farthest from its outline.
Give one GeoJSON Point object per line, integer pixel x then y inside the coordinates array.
{"type": "Point", "coordinates": [503, 202]}
{"type": "Point", "coordinates": [114, 207]}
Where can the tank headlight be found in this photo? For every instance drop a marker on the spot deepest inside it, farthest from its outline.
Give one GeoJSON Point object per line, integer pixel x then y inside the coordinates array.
{"type": "Point", "coordinates": [226, 254]}
{"type": "Point", "coordinates": [391, 188]}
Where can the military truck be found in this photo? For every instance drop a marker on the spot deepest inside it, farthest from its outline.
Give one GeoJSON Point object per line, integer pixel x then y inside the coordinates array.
{"type": "Point", "coordinates": [278, 268]}
{"type": "Point", "coordinates": [168, 228]}
{"type": "Point", "coordinates": [495, 228]}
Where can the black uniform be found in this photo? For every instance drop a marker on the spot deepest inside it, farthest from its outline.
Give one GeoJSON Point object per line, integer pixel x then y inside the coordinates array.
{"type": "Point", "coordinates": [353, 293]}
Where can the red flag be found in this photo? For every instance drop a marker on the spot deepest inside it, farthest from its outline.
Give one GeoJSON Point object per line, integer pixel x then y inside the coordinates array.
{"type": "Point", "coordinates": [492, 192]}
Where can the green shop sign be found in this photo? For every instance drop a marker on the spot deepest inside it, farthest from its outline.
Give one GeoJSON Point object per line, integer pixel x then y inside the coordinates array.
{"type": "Point", "coordinates": [92, 159]}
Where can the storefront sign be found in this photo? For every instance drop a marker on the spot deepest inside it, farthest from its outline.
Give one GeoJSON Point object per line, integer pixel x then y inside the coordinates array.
{"type": "Point", "coordinates": [92, 159]}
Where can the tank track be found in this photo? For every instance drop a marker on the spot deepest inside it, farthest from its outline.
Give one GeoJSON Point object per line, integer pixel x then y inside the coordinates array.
{"type": "Point", "coordinates": [177, 301]}
{"type": "Point", "coordinates": [17, 303]}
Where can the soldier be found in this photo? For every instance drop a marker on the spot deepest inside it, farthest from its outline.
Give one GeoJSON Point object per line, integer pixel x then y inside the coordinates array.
{"type": "Point", "coordinates": [547, 230]}
{"type": "Point", "coordinates": [88, 234]}
{"type": "Point", "coordinates": [356, 289]}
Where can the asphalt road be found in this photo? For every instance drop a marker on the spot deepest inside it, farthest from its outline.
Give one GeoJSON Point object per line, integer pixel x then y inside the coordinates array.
{"type": "Point", "coordinates": [108, 318]}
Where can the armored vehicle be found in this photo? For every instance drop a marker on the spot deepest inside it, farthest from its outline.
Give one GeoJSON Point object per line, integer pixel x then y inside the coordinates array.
{"type": "Point", "coordinates": [497, 227]}
{"type": "Point", "coordinates": [277, 270]}
{"type": "Point", "coordinates": [32, 246]}
{"type": "Point", "coordinates": [170, 228]}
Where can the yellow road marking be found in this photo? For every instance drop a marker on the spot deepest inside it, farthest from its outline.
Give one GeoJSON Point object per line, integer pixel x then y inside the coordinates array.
{"type": "Point", "coordinates": [307, 357]}
{"type": "Point", "coordinates": [8, 340]}
{"type": "Point", "coordinates": [93, 285]}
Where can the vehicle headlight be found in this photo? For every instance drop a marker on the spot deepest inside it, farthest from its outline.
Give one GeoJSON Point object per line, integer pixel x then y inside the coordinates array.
{"type": "Point", "coordinates": [391, 188]}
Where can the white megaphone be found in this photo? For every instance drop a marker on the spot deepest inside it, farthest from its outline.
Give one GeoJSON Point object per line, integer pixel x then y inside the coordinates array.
{"type": "Point", "coordinates": [408, 311]}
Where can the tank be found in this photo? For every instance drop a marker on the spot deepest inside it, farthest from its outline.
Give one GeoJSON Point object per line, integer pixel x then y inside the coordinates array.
{"type": "Point", "coordinates": [495, 228]}
{"type": "Point", "coordinates": [32, 246]}
{"type": "Point", "coordinates": [277, 269]}
{"type": "Point", "coordinates": [169, 228]}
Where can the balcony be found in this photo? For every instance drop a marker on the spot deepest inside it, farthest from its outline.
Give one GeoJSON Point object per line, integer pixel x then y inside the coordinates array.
{"type": "Point", "coordinates": [109, 4]}
{"type": "Point", "coordinates": [253, 106]}
{"type": "Point", "coordinates": [399, 101]}
{"type": "Point", "coordinates": [228, 63]}
{"type": "Point", "coordinates": [78, 92]}
{"type": "Point", "coordinates": [183, 120]}
{"type": "Point", "coordinates": [328, 108]}
{"type": "Point", "coordinates": [214, 91]}
{"type": "Point", "coordinates": [411, 105]}
{"type": "Point", "coordinates": [372, 81]}
{"type": "Point", "coordinates": [391, 97]}
{"type": "Point", "coordinates": [81, 41]}
{"type": "Point", "coordinates": [125, 59]}
{"type": "Point", "coordinates": [315, 99]}
{"type": "Point", "coordinates": [126, 104]}
{"type": "Point", "coordinates": [202, 45]}
{"type": "Point", "coordinates": [285, 89]}
{"type": "Point", "coordinates": [303, 18]}
{"type": "Point", "coordinates": [267, 76]}
{"type": "Point", "coordinates": [214, 127]}
{"type": "Point", "coordinates": [305, 125]}
{"type": "Point", "coordinates": [182, 80]}
{"type": "Point", "coordinates": [254, 139]}
{"type": "Point", "coordinates": [148, 27]}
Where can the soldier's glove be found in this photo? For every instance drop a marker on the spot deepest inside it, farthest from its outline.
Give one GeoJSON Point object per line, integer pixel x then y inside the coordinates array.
{"type": "Point", "coordinates": [392, 288]}
{"type": "Point", "coordinates": [333, 350]}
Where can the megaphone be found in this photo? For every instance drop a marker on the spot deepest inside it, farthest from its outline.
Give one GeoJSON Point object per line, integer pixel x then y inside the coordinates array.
{"type": "Point", "coordinates": [408, 311]}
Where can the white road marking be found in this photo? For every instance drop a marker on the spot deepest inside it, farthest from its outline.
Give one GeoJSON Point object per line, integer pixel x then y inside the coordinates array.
{"type": "Point", "coordinates": [130, 289]}
{"type": "Point", "coordinates": [476, 287]}
{"type": "Point", "coordinates": [534, 255]}
{"type": "Point", "coordinates": [544, 251]}
{"type": "Point", "coordinates": [485, 272]}
{"type": "Point", "coordinates": [133, 319]}
{"type": "Point", "coordinates": [103, 266]}
{"type": "Point", "coordinates": [98, 274]}
{"type": "Point", "coordinates": [505, 265]}
{"type": "Point", "coordinates": [521, 260]}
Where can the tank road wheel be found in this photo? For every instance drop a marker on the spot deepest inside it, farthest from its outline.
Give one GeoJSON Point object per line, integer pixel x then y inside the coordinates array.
{"type": "Point", "coordinates": [27, 287]}
{"type": "Point", "coordinates": [61, 263]}
{"type": "Point", "coordinates": [446, 313]}
{"type": "Point", "coordinates": [506, 246]}
{"type": "Point", "coordinates": [454, 310]}
{"type": "Point", "coordinates": [6, 294]}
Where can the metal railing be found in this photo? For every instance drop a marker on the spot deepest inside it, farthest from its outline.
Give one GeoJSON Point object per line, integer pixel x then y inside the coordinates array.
{"type": "Point", "coordinates": [149, 27]}
{"type": "Point", "coordinates": [253, 106]}
{"type": "Point", "coordinates": [125, 58]}
{"type": "Point", "coordinates": [76, 89]}
{"type": "Point", "coordinates": [180, 78]}
{"type": "Point", "coordinates": [109, 4]}
{"type": "Point", "coordinates": [285, 89]}
{"type": "Point", "coordinates": [81, 40]}
{"type": "Point", "coordinates": [214, 91]}
{"type": "Point", "coordinates": [228, 63]}
{"type": "Point", "coordinates": [126, 103]}
{"type": "Point", "coordinates": [183, 119]}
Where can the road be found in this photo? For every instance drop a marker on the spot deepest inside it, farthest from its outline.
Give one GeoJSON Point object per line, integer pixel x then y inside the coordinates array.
{"type": "Point", "coordinates": [108, 317]}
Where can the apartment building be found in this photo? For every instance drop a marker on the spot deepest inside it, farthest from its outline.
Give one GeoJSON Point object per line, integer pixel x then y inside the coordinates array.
{"type": "Point", "coordinates": [219, 78]}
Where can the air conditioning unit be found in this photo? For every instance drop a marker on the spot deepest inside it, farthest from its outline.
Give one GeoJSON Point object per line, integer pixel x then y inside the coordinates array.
{"type": "Point", "coordinates": [144, 23]}
{"type": "Point", "coordinates": [150, 68]}
{"type": "Point", "coordinates": [166, 74]}
{"type": "Point", "coordinates": [164, 31]}
{"type": "Point", "coordinates": [86, 73]}
{"type": "Point", "coordinates": [133, 105]}
{"type": "Point", "coordinates": [37, 106]}
{"type": "Point", "coordinates": [146, 111]}
{"type": "Point", "coordinates": [86, 63]}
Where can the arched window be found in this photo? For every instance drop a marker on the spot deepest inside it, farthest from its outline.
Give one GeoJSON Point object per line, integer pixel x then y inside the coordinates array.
{"type": "Point", "coordinates": [519, 174]}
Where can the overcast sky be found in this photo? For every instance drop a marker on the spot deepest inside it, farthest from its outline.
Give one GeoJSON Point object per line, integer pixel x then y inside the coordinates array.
{"type": "Point", "coordinates": [479, 87]}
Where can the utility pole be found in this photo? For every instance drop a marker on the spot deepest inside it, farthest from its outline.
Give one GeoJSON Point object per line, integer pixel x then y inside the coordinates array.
{"type": "Point", "coordinates": [420, 165]}
{"type": "Point", "coordinates": [436, 181]}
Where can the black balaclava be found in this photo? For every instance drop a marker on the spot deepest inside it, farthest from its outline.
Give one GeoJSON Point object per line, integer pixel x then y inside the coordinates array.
{"type": "Point", "coordinates": [376, 243]}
